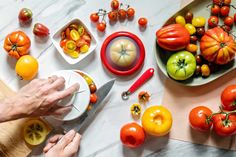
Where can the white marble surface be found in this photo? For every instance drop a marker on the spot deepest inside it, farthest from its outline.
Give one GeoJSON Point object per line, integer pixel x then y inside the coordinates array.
{"type": "Point", "coordinates": [101, 139]}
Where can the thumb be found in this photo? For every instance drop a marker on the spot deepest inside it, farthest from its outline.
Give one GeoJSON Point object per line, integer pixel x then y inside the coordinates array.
{"type": "Point", "coordinates": [67, 139]}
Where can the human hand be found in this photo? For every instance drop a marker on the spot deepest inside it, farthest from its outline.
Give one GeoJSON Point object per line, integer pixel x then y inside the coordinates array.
{"type": "Point", "coordinates": [63, 146]}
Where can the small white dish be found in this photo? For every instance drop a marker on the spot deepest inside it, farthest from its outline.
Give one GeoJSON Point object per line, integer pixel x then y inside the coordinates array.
{"type": "Point", "coordinates": [80, 100]}
{"type": "Point", "coordinates": [56, 38]}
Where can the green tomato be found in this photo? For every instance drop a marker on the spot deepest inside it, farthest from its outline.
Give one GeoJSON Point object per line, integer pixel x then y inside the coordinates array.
{"type": "Point", "coordinates": [181, 65]}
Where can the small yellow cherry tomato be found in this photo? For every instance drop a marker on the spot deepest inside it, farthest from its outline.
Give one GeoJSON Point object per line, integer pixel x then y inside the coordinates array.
{"type": "Point", "coordinates": [192, 48]}
{"type": "Point", "coordinates": [81, 30]}
{"type": "Point", "coordinates": [198, 21]}
{"type": "Point", "coordinates": [84, 48]}
{"type": "Point", "coordinates": [205, 70]}
{"type": "Point", "coordinates": [74, 35]}
{"type": "Point", "coordinates": [73, 54]}
{"type": "Point", "coordinates": [180, 20]}
{"type": "Point", "coordinates": [191, 29]}
{"type": "Point", "coordinates": [135, 110]}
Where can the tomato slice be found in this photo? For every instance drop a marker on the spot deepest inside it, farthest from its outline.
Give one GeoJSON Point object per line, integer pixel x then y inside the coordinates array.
{"type": "Point", "coordinates": [70, 46]}
{"type": "Point", "coordinates": [81, 30]}
{"type": "Point", "coordinates": [73, 54]}
{"type": "Point", "coordinates": [74, 35]}
{"type": "Point", "coordinates": [84, 48]}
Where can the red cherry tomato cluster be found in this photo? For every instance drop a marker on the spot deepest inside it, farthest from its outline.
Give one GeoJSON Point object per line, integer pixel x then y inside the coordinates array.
{"type": "Point", "coordinates": [201, 118]}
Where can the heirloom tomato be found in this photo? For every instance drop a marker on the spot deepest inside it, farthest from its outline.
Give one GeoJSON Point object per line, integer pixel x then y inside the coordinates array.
{"type": "Point", "coordinates": [205, 70]}
{"type": "Point", "coordinates": [157, 120]}
{"type": "Point", "coordinates": [180, 20]}
{"type": "Point", "coordinates": [228, 98]}
{"type": "Point", "coordinates": [199, 118]}
{"type": "Point", "coordinates": [218, 46]}
{"type": "Point", "coordinates": [25, 15]}
{"type": "Point", "coordinates": [40, 30]}
{"type": "Point", "coordinates": [191, 29]}
{"type": "Point", "coordinates": [132, 135]}
{"type": "Point", "coordinates": [199, 21]}
{"type": "Point", "coordinates": [181, 65]}
{"type": "Point", "coordinates": [17, 44]}
{"type": "Point", "coordinates": [173, 37]}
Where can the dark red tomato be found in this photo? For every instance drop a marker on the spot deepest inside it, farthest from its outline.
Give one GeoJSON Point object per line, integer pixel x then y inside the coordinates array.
{"type": "Point", "coordinates": [130, 12]}
{"type": "Point", "coordinates": [132, 135]}
{"type": "Point", "coordinates": [234, 18]}
{"type": "Point", "coordinates": [218, 2]}
{"type": "Point", "coordinates": [198, 118]}
{"type": "Point", "coordinates": [228, 98]}
{"type": "Point", "coordinates": [224, 11]}
{"type": "Point", "coordinates": [213, 21]}
{"type": "Point", "coordinates": [93, 98]}
{"type": "Point", "coordinates": [40, 30]}
{"type": "Point", "coordinates": [142, 22]}
{"type": "Point", "coordinates": [226, 2]}
{"type": "Point", "coordinates": [226, 28]}
{"type": "Point", "coordinates": [215, 9]}
{"type": "Point", "coordinates": [115, 4]}
{"type": "Point", "coordinates": [193, 39]}
{"type": "Point", "coordinates": [113, 15]}
{"type": "Point", "coordinates": [229, 21]}
{"type": "Point", "coordinates": [101, 26]}
{"type": "Point", "coordinates": [223, 126]}
{"type": "Point", "coordinates": [94, 17]}
{"type": "Point", "coordinates": [25, 15]}
{"type": "Point", "coordinates": [122, 13]}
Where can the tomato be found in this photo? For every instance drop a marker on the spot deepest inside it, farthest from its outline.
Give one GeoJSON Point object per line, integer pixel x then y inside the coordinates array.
{"type": "Point", "coordinates": [223, 126]}
{"type": "Point", "coordinates": [135, 110]}
{"type": "Point", "coordinates": [115, 4]}
{"type": "Point", "coordinates": [198, 59]}
{"type": "Point", "coordinates": [173, 37]}
{"type": "Point", "coordinates": [157, 120]}
{"type": "Point", "coordinates": [25, 15]}
{"type": "Point", "coordinates": [143, 96]}
{"type": "Point", "coordinates": [226, 2]}
{"type": "Point", "coordinates": [193, 39]}
{"type": "Point", "coordinates": [122, 14]}
{"type": "Point", "coordinates": [213, 21]}
{"type": "Point", "coordinates": [73, 26]}
{"type": "Point", "coordinates": [101, 26]}
{"type": "Point", "coordinates": [199, 118]}
{"type": "Point", "coordinates": [84, 48]}
{"type": "Point", "coordinates": [199, 21]}
{"type": "Point", "coordinates": [63, 42]}
{"type": "Point", "coordinates": [226, 28]}
{"type": "Point", "coordinates": [130, 12]}
{"type": "Point", "coordinates": [92, 88]}
{"type": "Point", "coordinates": [180, 20]}
{"type": "Point", "coordinates": [217, 46]}
{"type": "Point", "coordinates": [224, 11]}
{"type": "Point", "coordinates": [235, 18]}
{"type": "Point", "coordinates": [132, 135]}
{"type": "Point", "coordinates": [228, 98]}
{"type": "Point", "coordinates": [17, 44]}
{"type": "Point", "coordinates": [93, 98]}
{"type": "Point", "coordinates": [70, 46]}
{"type": "Point", "coordinates": [198, 70]}
{"type": "Point", "coordinates": [94, 17]}
{"type": "Point", "coordinates": [113, 15]}
{"type": "Point", "coordinates": [188, 17]}
{"type": "Point", "coordinates": [142, 22]}
{"type": "Point", "coordinates": [215, 9]}
{"type": "Point", "coordinates": [205, 69]}
{"type": "Point", "coordinates": [181, 65]}
{"type": "Point", "coordinates": [88, 80]}
{"type": "Point", "coordinates": [74, 35]}
{"type": "Point", "coordinates": [200, 31]}
{"type": "Point", "coordinates": [27, 67]}
{"type": "Point", "coordinates": [191, 29]}
{"type": "Point", "coordinates": [81, 30]}
{"type": "Point", "coordinates": [218, 2]}
{"type": "Point", "coordinates": [192, 48]}
{"type": "Point", "coordinates": [40, 30]}
{"type": "Point", "coordinates": [229, 21]}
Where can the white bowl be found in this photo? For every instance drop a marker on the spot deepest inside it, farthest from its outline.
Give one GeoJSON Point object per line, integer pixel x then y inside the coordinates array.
{"type": "Point", "coordinates": [56, 38]}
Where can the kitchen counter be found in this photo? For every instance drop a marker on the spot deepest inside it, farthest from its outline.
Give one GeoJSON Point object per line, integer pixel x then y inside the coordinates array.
{"type": "Point", "coordinates": [101, 138]}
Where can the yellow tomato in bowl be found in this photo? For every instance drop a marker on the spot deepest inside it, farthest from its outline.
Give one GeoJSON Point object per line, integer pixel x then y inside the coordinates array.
{"type": "Point", "coordinates": [157, 120]}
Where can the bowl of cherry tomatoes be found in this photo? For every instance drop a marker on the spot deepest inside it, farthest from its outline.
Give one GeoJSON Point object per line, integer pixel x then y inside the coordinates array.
{"type": "Point", "coordinates": [74, 41]}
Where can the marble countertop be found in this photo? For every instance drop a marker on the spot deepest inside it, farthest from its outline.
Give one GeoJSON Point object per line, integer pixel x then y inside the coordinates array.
{"type": "Point", "coordinates": [101, 138]}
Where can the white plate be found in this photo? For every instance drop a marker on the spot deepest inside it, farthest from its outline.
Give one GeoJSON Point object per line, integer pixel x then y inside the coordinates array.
{"type": "Point", "coordinates": [80, 100]}
{"type": "Point", "coordinates": [56, 38]}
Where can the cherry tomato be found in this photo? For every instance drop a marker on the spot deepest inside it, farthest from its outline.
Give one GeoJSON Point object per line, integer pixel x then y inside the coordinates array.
{"type": "Point", "coordinates": [218, 2]}
{"type": "Point", "coordinates": [200, 31]}
{"type": "Point", "coordinates": [198, 70]}
{"type": "Point", "coordinates": [130, 12]}
{"type": "Point", "coordinates": [205, 69]}
{"type": "Point", "coordinates": [226, 2]}
{"type": "Point", "coordinates": [25, 15]}
{"type": "Point", "coordinates": [235, 18]}
{"type": "Point", "coordinates": [223, 126]}
{"type": "Point", "coordinates": [228, 98]}
{"type": "Point", "coordinates": [215, 9]}
{"type": "Point", "coordinates": [142, 22]}
{"type": "Point", "coordinates": [93, 98]}
{"type": "Point", "coordinates": [224, 11]}
{"type": "Point", "coordinates": [94, 17]}
{"type": "Point", "coordinates": [113, 15]}
{"type": "Point", "coordinates": [63, 42]}
{"type": "Point", "coordinates": [199, 118]}
{"type": "Point", "coordinates": [115, 4]}
{"type": "Point", "coordinates": [40, 30]}
{"type": "Point", "coordinates": [226, 28]}
{"type": "Point", "coordinates": [132, 135]}
{"type": "Point", "coordinates": [101, 26]}
{"type": "Point", "coordinates": [193, 39]}
{"type": "Point", "coordinates": [122, 14]}
{"type": "Point", "coordinates": [180, 20]}
{"type": "Point", "coordinates": [188, 17]}
{"type": "Point", "coordinates": [229, 21]}
{"type": "Point", "coordinates": [68, 33]}
{"type": "Point", "coordinates": [192, 48]}
{"type": "Point", "coordinates": [213, 21]}
{"type": "Point", "coordinates": [74, 35]}
{"type": "Point", "coordinates": [92, 88]}
{"type": "Point", "coordinates": [198, 59]}
{"type": "Point", "coordinates": [70, 46]}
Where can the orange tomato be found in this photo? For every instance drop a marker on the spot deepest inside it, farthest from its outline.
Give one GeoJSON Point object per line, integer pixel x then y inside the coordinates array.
{"type": "Point", "coordinates": [17, 44]}
{"type": "Point", "coordinates": [192, 48]}
{"type": "Point", "coordinates": [157, 120]}
{"type": "Point", "coordinates": [93, 98]}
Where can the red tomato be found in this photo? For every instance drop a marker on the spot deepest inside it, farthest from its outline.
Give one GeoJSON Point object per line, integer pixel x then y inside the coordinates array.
{"type": "Point", "coordinates": [213, 21]}
{"type": "Point", "coordinates": [235, 18]}
{"type": "Point", "coordinates": [228, 98]}
{"type": "Point", "coordinates": [215, 9]}
{"type": "Point", "coordinates": [63, 42]}
{"type": "Point", "coordinates": [132, 135]}
{"type": "Point", "coordinates": [101, 26]}
{"type": "Point", "coordinates": [226, 2]}
{"type": "Point", "coordinates": [229, 21]}
{"type": "Point", "coordinates": [224, 11]}
{"type": "Point", "coordinates": [226, 28]}
{"type": "Point", "coordinates": [93, 98]}
{"type": "Point", "coordinates": [94, 17]}
{"type": "Point", "coordinates": [92, 88]}
{"type": "Point", "coordinates": [142, 22]}
{"type": "Point", "coordinates": [130, 12]}
{"type": "Point", "coordinates": [40, 30]}
{"type": "Point", "coordinates": [198, 118]}
{"type": "Point", "coordinates": [25, 15]}
{"type": "Point", "coordinates": [115, 4]}
{"type": "Point", "coordinates": [218, 2]}
{"type": "Point", "coordinates": [122, 14]}
{"type": "Point", "coordinates": [113, 15]}
{"type": "Point", "coordinates": [224, 127]}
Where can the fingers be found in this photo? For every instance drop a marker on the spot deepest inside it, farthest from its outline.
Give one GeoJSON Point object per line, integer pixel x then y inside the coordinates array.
{"type": "Point", "coordinates": [57, 84]}
{"type": "Point", "coordinates": [48, 147]}
{"type": "Point", "coordinates": [52, 142]}
{"type": "Point", "coordinates": [52, 79]}
{"type": "Point", "coordinates": [66, 139]}
{"type": "Point", "coordinates": [74, 145]}
{"type": "Point", "coordinates": [59, 110]}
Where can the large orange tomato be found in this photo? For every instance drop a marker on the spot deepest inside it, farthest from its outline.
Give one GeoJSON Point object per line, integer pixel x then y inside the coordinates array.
{"type": "Point", "coordinates": [157, 120]}
{"type": "Point", "coordinates": [17, 44]}
{"type": "Point", "coordinates": [173, 37]}
{"type": "Point", "coordinates": [217, 46]}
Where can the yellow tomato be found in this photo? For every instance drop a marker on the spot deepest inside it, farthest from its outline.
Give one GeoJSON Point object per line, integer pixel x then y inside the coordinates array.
{"type": "Point", "coordinates": [198, 21]}
{"type": "Point", "coordinates": [27, 67]}
{"type": "Point", "coordinates": [191, 29]}
{"type": "Point", "coordinates": [73, 54]}
{"type": "Point", "coordinates": [74, 35]}
{"type": "Point", "coordinates": [192, 48]}
{"type": "Point", "coordinates": [84, 48]}
{"type": "Point", "coordinates": [157, 120]}
{"type": "Point", "coordinates": [205, 70]}
{"type": "Point", "coordinates": [180, 20]}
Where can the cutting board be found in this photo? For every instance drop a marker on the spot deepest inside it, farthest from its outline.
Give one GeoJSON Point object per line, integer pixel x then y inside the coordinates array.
{"type": "Point", "coordinates": [11, 141]}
